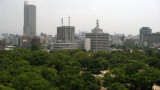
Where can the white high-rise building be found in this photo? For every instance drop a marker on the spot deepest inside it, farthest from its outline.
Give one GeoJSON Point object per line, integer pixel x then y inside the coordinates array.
{"type": "Point", "coordinates": [98, 39]}
{"type": "Point", "coordinates": [29, 28]}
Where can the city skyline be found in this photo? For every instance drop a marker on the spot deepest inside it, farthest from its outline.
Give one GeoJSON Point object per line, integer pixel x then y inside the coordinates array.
{"type": "Point", "coordinates": [124, 17]}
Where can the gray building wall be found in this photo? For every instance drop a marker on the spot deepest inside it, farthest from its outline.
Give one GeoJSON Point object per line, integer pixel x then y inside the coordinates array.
{"type": "Point", "coordinates": [2, 44]}
{"type": "Point", "coordinates": [66, 33]}
{"type": "Point", "coordinates": [99, 40]}
{"type": "Point", "coordinates": [144, 31]}
{"type": "Point", "coordinates": [29, 28]}
{"type": "Point", "coordinates": [130, 41]}
{"type": "Point", "coordinates": [152, 40]}
{"type": "Point", "coordinates": [65, 46]}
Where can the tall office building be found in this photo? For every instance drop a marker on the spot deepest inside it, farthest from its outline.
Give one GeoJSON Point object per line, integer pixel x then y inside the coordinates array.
{"type": "Point", "coordinates": [98, 39]}
{"type": "Point", "coordinates": [144, 31]}
{"type": "Point", "coordinates": [29, 28]}
{"type": "Point", "coordinates": [66, 33]}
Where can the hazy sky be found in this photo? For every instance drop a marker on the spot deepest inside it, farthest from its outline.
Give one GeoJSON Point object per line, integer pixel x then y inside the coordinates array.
{"type": "Point", "coordinates": [120, 16]}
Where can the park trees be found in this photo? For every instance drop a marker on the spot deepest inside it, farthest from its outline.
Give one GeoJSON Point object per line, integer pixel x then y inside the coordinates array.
{"type": "Point", "coordinates": [91, 83]}
{"type": "Point", "coordinates": [24, 69]}
{"type": "Point", "coordinates": [18, 67]}
{"type": "Point", "coordinates": [30, 81]}
{"type": "Point", "coordinates": [145, 78]}
{"type": "Point", "coordinates": [117, 86]}
{"type": "Point", "coordinates": [35, 47]}
{"type": "Point", "coordinates": [134, 76]}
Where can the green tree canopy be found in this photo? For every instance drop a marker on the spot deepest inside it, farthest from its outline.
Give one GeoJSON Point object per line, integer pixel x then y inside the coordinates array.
{"type": "Point", "coordinates": [117, 86]}
{"type": "Point", "coordinates": [35, 47]}
{"type": "Point", "coordinates": [30, 81]}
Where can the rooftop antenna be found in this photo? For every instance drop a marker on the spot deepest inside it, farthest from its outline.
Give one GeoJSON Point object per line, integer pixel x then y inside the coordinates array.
{"type": "Point", "coordinates": [97, 23]}
{"type": "Point", "coordinates": [68, 21]}
{"type": "Point", "coordinates": [62, 21]}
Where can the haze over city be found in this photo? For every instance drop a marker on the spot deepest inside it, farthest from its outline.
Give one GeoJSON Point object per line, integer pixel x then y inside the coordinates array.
{"type": "Point", "coordinates": [120, 16]}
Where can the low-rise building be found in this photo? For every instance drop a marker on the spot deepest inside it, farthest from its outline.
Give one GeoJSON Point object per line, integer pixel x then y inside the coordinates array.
{"type": "Point", "coordinates": [25, 41]}
{"type": "Point", "coordinates": [2, 44]}
{"type": "Point", "coordinates": [75, 45]}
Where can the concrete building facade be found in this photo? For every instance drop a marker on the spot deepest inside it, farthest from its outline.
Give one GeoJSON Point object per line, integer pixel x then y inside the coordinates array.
{"type": "Point", "coordinates": [66, 33]}
{"type": "Point", "coordinates": [87, 44]}
{"type": "Point", "coordinates": [98, 39]}
{"type": "Point", "coordinates": [152, 40]}
{"type": "Point", "coordinates": [2, 44]}
{"type": "Point", "coordinates": [29, 28]}
{"type": "Point", "coordinates": [25, 42]}
{"type": "Point", "coordinates": [63, 46]}
{"type": "Point", "coordinates": [144, 31]}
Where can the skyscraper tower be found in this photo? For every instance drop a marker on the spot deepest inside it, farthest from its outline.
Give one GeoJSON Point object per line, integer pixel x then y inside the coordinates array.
{"type": "Point", "coordinates": [29, 28]}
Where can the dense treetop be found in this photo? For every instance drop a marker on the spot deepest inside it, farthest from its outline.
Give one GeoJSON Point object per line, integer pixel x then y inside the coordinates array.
{"type": "Point", "coordinates": [34, 69]}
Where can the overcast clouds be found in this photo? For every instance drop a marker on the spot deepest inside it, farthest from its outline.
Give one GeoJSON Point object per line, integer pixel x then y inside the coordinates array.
{"type": "Point", "coordinates": [120, 16]}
